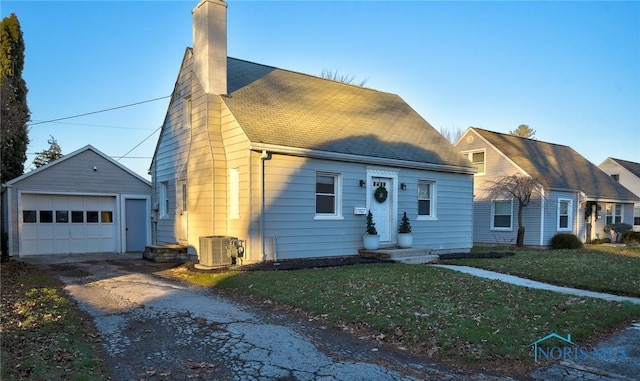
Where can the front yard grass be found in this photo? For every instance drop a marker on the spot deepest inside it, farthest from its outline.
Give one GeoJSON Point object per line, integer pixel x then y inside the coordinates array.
{"type": "Point", "coordinates": [613, 270]}
{"type": "Point", "coordinates": [435, 312]}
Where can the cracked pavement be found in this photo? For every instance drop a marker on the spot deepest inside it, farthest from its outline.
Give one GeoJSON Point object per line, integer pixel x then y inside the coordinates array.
{"type": "Point", "coordinates": [157, 329]}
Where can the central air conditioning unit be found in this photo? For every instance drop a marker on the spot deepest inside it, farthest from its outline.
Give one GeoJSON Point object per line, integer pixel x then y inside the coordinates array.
{"type": "Point", "coordinates": [219, 251]}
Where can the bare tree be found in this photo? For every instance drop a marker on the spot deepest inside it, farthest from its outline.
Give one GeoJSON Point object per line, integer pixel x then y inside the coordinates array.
{"type": "Point", "coordinates": [521, 188]}
{"type": "Point", "coordinates": [344, 78]}
{"type": "Point", "coordinates": [451, 134]}
{"type": "Point", "coordinates": [524, 131]}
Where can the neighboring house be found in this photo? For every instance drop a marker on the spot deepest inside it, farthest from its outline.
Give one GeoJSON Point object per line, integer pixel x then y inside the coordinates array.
{"type": "Point", "coordinates": [627, 173]}
{"type": "Point", "coordinates": [84, 202]}
{"type": "Point", "coordinates": [289, 162]}
{"type": "Point", "coordinates": [573, 184]}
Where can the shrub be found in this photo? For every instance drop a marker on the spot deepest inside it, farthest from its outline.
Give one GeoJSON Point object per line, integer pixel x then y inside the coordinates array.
{"type": "Point", "coordinates": [565, 241]}
{"type": "Point", "coordinates": [371, 226]}
{"type": "Point", "coordinates": [630, 237]}
{"type": "Point", "coordinates": [405, 225]}
{"type": "Point", "coordinates": [618, 229]}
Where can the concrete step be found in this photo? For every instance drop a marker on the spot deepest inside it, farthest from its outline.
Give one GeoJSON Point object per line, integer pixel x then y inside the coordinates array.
{"type": "Point", "coordinates": [416, 260]}
{"type": "Point", "coordinates": [411, 255]}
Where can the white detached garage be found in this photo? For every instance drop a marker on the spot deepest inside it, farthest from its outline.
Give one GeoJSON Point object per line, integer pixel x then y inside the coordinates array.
{"type": "Point", "coordinates": [84, 202]}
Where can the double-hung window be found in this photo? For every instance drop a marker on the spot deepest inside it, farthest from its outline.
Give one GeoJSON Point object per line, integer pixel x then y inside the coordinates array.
{"type": "Point", "coordinates": [328, 197]}
{"type": "Point", "coordinates": [426, 199]}
{"type": "Point", "coordinates": [478, 159]}
{"type": "Point", "coordinates": [613, 214]}
{"type": "Point", "coordinates": [565, 213]}
{"type": "Point", "coordinates": [502, 215]}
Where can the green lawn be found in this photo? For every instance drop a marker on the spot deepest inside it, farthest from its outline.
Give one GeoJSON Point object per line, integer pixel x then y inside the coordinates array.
{"type": "Point", "coordinates": [596, 268]}
{"type": "Point", "coordinates": [435, 312]}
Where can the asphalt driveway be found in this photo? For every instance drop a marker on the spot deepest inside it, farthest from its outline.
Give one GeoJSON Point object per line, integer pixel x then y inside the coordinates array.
{"type": "Point", "coordinates": [157, 329]}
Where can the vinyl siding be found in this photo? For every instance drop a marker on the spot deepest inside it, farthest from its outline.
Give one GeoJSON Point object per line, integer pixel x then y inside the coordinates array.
{"type": "Point", "coordinates": [170, 159]}
{"type": "Point", "coordinates": [628, 180]}
{"type": "Point", "coordinates": [75, 176]}
{"type": "Point", "coordinates": [551, 216]}
{"type": "Point", "coordinates": [290, 209]}
{"type": "Point", "coordinates": [496, 165]}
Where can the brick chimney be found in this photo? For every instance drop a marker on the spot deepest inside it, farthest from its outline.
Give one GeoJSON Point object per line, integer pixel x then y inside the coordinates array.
{"type": "Point", "coordinates": [210, 45]}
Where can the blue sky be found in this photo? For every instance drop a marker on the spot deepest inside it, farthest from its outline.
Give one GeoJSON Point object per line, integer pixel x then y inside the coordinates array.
{"type": "Point", "coordinates": [570, 70]}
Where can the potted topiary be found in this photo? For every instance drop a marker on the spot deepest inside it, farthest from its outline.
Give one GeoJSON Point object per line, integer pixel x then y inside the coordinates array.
{"type": "Point", "coordinates": [405, 239]}
{"type": "Point", "coordinates": [371, 238]}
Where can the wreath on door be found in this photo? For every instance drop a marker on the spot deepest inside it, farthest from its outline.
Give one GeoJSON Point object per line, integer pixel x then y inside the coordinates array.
{"type": "Point", "coordinates": [381, 194]}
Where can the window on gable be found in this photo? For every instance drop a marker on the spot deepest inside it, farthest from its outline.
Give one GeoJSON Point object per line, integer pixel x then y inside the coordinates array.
{"type": "Point", "coordinates": [328, 203]}
{"type": "Point", "coordinates": [565, 213]}
{"type": "Point", "coordinates": [616, 177]}
{"type": "Point", "coordinates": [501, 214]}
{"type": "Point", "coordinates": [186, 112]}
{"type": "Point", "coordinates": [426, 199]}
{"type": "Point", "coordinates": [477, 158]}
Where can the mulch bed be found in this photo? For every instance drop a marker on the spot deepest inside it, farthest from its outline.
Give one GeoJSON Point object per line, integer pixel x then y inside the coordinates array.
{"type": "Point", "coordinates": [297, 264]}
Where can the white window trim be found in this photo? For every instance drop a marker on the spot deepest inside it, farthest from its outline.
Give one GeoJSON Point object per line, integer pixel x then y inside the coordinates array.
{"type": "Point", "coordinates": [164, 196]}
{"type": "Point", "coordinates": [613, 213]}
{"type": "Point", "coordinates": [469, 156]}
{"type": "Point", "coordinates": [338, 197]}
{"type": "Point", "coordinates": [503, 229]}
{"type": "Point", "coordinates": [569, 227]}
{"type": "Point", "coordinates": [433, 216]}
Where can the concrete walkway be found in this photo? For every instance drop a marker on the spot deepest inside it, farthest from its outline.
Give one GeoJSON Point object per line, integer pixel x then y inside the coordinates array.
{"type": "Point", "coordinates": [539, 285]}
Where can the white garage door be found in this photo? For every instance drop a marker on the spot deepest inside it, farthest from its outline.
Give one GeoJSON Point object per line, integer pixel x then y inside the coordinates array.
{"type": "Point", "coordinates": [58, 224]}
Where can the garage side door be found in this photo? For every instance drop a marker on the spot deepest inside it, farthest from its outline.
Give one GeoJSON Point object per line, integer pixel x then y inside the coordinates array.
{"type": "Point", "coordinates": [59, 224]}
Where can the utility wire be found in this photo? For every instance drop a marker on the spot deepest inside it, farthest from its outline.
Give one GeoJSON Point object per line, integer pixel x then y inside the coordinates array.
{"type": "Point", "coordinates": [96, 125]}
{"type": "Point", "coordinates": [138, 145]}
{"type": "Point", "coordinates": [97, 112]}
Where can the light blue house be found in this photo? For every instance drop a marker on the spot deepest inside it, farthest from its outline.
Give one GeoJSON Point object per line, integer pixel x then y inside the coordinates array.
{"type": "Point", "coordinates": [289, 162]}
{"type": "Point", "coordinates": [576, 197]}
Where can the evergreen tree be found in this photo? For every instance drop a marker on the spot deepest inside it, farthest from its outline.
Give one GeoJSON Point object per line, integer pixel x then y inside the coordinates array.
{"type": "Point", "coordinates": [47, 156]}
{"type": "Point", "coordinates": [524, 131]}
{"type": "Point", "coordinates": [14, 111]}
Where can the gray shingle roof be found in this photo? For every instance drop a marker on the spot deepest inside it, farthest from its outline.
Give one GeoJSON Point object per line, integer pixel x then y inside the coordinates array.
{"type": "Point", "coordinates": [629, 166]}
{"type": "Point", "coordinates": [281, 107]}
{"type": "Point", "coordinates": [559, 165]}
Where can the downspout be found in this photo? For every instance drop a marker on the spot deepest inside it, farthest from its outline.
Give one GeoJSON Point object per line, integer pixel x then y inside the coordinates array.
{"type": "Point", "coordinates": [542, 217]}
{"type": "Point", "coordinates": [263, 157]}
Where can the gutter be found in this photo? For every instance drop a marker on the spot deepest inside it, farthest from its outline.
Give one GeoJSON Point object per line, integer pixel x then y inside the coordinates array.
{"type": "Point", "coordinates": [318, 154]}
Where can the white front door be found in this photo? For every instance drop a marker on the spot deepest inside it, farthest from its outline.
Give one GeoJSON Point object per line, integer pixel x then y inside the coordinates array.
{"type": "Point", "coordinates": [381, 206]}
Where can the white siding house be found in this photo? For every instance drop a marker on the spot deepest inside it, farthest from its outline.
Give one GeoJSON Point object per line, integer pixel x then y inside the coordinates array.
{"type": "Point", "coordinates": [84, 202]}
{"type": "Point", "coordinates": [289, 162]}
{"type": "Point", "coordinates": [627, 173]}
{"type": "Point", "coordinates": [573, 188]}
